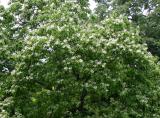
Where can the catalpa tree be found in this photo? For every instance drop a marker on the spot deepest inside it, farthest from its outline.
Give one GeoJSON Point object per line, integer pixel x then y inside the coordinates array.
{"type": "Point", "coordinates": [72, 66]}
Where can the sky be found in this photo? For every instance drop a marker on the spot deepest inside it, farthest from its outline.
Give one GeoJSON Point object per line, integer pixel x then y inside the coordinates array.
{"type": "Point", "coordinates": [91, 2]}
{"type": "Point", "coordinates": [4, 2]}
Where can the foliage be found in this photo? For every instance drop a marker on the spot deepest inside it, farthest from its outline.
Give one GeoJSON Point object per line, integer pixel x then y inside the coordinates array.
{"type": "Point", "coordinates": [63, 63]}
{"type": "Point", "coordinates": [144, 13]}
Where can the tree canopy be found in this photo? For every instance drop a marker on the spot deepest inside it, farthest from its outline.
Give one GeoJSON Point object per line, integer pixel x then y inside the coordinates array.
{"type": "Point", "coordinates": [58, 59]}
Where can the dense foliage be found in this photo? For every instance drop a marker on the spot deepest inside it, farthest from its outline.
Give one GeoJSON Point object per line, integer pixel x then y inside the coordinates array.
{"type": "Point", "coordinates": [145, 13]}
{"type": "Point", "coordinates": [57, 59]}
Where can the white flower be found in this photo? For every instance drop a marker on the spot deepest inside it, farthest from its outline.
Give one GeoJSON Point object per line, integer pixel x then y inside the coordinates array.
{"type": "Point", "coordinates": [86, 85]}
{"type": "Point", "coordinates": [13, 72]}
{"type": "Point", "coordinates": [56, 43]}
{"type": "Point", "coordinates": [98, 44]}
{"type": "Point", "coordinates": [73, 57]}
{"type": "Point", "coordinates": [99, 62]}
{"type": "Point", "coordinates": [95, 87]}
{"type": "Point", "coordinates": [92, 71]}
{"type": "Point", "coordinates": [70, 68]}
{"type": "Point", "coordinates": [65, 68]}
{"type": "Point", "coordinates": [138, 51]}
{"type": "Point", "coordinates": [103, 51]}
{"type": "Point", "coordinates": [65, 41]}
{"type": "Point", "coordinates": [53, 88]}
{"type": "Point", "coordinates": [44, 60]}
{"type": "Point", "coordinates": [1, 18]}
{"type": "Point", "coordinates": [68, 46]}
{"type": "Point", "coordinates": [80, 60]}
{"type": "Point", "coordinates": [103, 65]}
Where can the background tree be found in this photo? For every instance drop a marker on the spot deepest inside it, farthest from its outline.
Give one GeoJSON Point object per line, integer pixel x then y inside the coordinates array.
{"type": "Point", "coordinates": [144, 13]}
